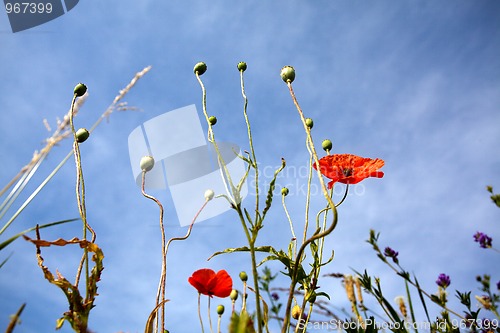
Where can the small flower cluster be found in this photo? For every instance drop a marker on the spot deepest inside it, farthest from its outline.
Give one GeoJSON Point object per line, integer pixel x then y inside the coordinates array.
{"type": "Point", "coordinates": [483, 240]}
{"type": "Point", "coordinates": [390, 253]}
{"type": "Point", "coordinates": [443, 281]}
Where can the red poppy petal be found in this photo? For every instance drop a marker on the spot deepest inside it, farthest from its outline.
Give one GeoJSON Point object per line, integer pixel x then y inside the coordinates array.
{"type": "Point", "coordinates": [224, 284]}
{"type": "Point", "coordinates": [200, 280]}
{"type": "Point", "coordinates": [199, 286]}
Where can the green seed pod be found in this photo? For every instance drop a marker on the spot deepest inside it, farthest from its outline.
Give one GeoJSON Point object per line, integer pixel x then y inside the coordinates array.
{"type": "Point", "coordinates": [80, 90]}
{"type": "Point", "coordinates": [284, 191]}
{"type": "Point", "coordinates": [147, 163]}
{"type": "Point", "coordinates": [242, 66]}
{"type": "Point", "coordinates": [212, 120]}
{"type": "Point", "coordinates": [234, 295]}
{"type": "Point", "coordinates": [81, 135]}
{"type": "Point", "coordinates": [309, 123]}
{"type": "Point", "coordinates": [288, 74]}
{"type": "Point", "coordinates": [243, 276]}
{"type": "Point", "coordinates": [220, 310]}
{"type": "Point", "coordinates": [200, 68]}
{"type": "Point", "coordinates": [327, 145]}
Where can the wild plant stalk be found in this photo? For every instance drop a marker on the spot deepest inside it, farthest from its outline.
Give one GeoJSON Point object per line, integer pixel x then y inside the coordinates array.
{"type": "Point", "coordinates": [147, 164]}
{"type": "Point", "coordinates": [288, 78]}
{"type": "Point", "coordinates": [199, 313]}
{"type": "Point", "coordinates": [294, 238]}
{"type": "Point", "coordinates": [160, 296]}
{"type": "Point", "coordinates": [26, 173]}
{"type": "Point", "coordinates": [80, 90]}
{"type": "Point", "coordinates": [373, 241]}
{"type": "Point", "coordinates": [234, 196]}
{"type": "Point", "coordinates": [254, 164]}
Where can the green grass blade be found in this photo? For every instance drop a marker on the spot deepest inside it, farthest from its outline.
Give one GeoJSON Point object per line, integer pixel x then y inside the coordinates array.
{"type": "Point", "coordinates": [422, 299]}
{"type": "Point", "coordinates": [34, 194]}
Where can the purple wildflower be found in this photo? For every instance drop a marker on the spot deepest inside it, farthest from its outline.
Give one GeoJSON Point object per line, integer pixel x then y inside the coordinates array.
{"type": "Point", "coordinates": [443, 280]}
{"type": "Point", "coordinates": [275, 296]}
{"type": "Point", "coordinates": [498, 285]}
{"type": "Point", "coordinates": [483, 239]}
{"type": "Point", "coordinates": [390, 253]}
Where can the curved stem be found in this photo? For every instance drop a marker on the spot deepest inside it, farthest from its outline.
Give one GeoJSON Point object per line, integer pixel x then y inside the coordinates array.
{"type": "Point", "coordinates": [160, 297]}
{"type": "Point", "coordinates": [199, 313]}
{"type": "Point", "coordinates": [312, 150]}
{"type": "Point", "coordinates": [210, 137]}
{"type": "Point", "coordinates": [251, 243]}
{"type": "Point", "coordinates": [294, 238]}
{"type": "Point", "coordinates": [209, 317]}
{"type": "Point", "coordinates": [250, 142]}
{"type": "Point", "coordinates": [294, 272]}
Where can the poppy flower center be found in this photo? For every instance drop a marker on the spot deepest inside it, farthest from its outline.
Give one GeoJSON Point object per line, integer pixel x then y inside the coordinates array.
{"type": "Point", "coordinates": [347, 172]}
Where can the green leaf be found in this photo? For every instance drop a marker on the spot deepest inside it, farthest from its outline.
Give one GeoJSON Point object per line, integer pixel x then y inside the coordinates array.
{"type": "Point", "coordinates": [322, 293]}
{"type": "Point", "coordinates": [3, 262]}
{"type": "Point", "coordinates": [269, 198]}
{"type": "Point", "coordinates": [268, 249]}
{"type": "Point", "coordinates": [421, 295]}
{"type": "Point", "coordinates": [242, 323]}
{"type": "Point", "coordinates": [329, 260]}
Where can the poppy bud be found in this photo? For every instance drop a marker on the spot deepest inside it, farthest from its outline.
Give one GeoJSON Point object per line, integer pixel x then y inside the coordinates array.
{"type": "Point", "coordinates": [309, 123]}
{"type": "Point", "coordinates": [220, 310]}
{"type": "Point", "coordinates": [288, 74]}
{"type": "Point", "coordinates": [212, 120]}
{"type": "Point", "coordinates": [80, 90]}
{"type": "Point", "coordinates": [242, 66]}
{"type": "Point", "coordinates": [200, 68]}
{"type": "Point", "coordinates": [81, 135]}
{"type": "Point", "coordinates": [327, 145]}
{"type": "Point", "coordinates": [209, 195]}
{"type": "Point", "coordinates": [243, 276]}
{"type": "Point", "coordinates": [296, 312]}
{"type": "Point", "coordinates": [284, 191]}
{"type": "Point", "coordinates": [234, 295]}
{"type": "Point", "coordinates": [147, 163]}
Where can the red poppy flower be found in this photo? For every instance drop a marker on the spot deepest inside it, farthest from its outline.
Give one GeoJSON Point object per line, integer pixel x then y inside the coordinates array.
{"type": "Point", "coordinates": [208, 283]}
{"type": "Point", "coordinates": [349, 169]}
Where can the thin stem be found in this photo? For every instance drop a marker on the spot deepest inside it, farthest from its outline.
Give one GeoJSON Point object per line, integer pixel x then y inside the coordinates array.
{"type": "Point", "coordinates": [294, 273]}
{"type": "Point", "coordinates": [421, 290]}
{"type": "Point", "coordinates": [183, 237]}
{"type": "Point", "coordinates": [308, 201]}
{"type": "Point", "coordinates": [312, 150]}
{"type": "Point", "coordinates": [244, 297]}
{"type": "Point", "coordinates": [294, 238]}
{"type": "Point", "coordinates": [250, 141]}
{"type": "Point", "coordinates": [161, 288]}
{"type": "Point", "coordinates": [209, 317]}
{"type": "Point", "coordinates": [218, 323]}
{"type": "Point", "coordinates": [57, 136]}
{"type": "Point", "coordinates": [199, 313]}
{"type": "Point", "coordinates": [251, 242]}
{"type": "Point", "coordinates": [80, 199]}
{"type": "Point", "coordinates": [344, 197]}
{"type": "Point", "coordinates": [235, 196]}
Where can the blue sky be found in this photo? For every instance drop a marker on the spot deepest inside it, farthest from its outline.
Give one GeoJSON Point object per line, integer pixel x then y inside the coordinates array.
{"type": "Point", "coordinates": [414, 83]}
